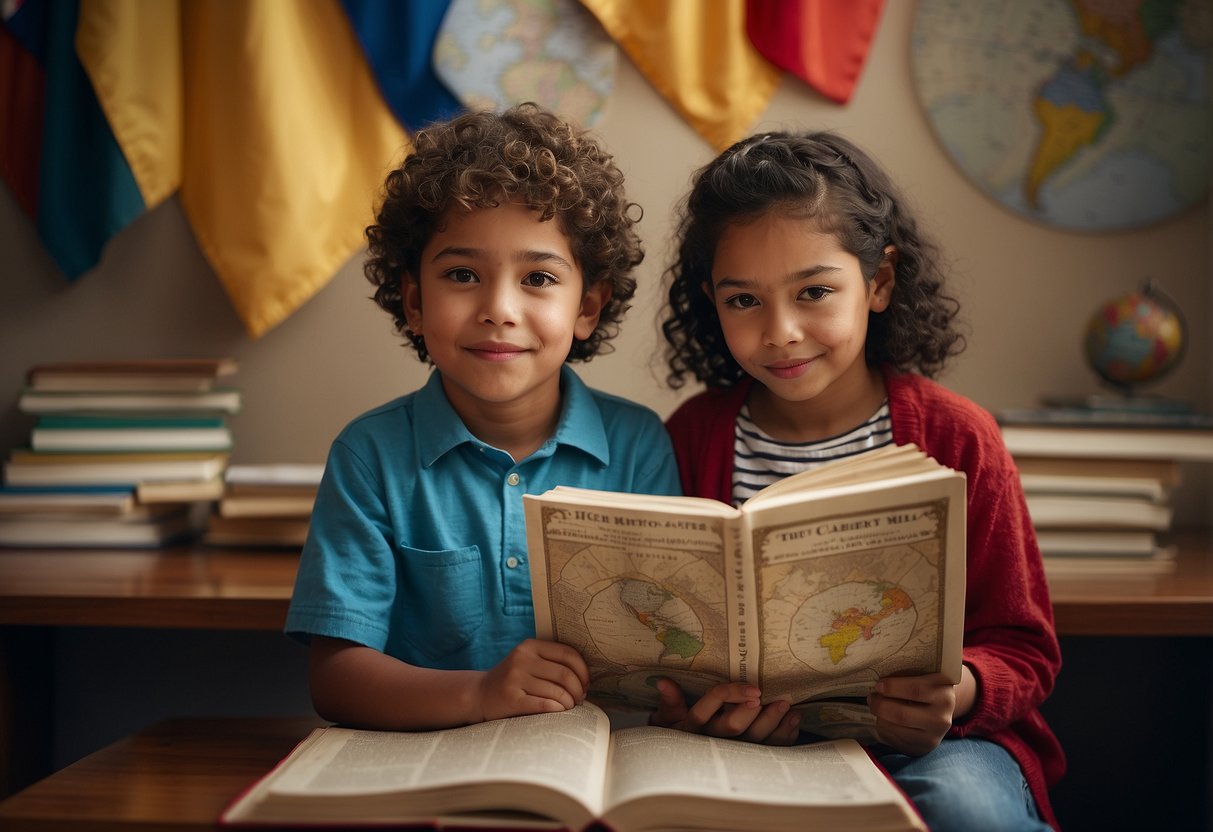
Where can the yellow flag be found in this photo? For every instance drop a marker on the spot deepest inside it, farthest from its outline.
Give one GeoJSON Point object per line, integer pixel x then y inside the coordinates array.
{"type": "Point", "coordinates": [265, 115]}
{"type": "Point", "coordinates": [697, 55]}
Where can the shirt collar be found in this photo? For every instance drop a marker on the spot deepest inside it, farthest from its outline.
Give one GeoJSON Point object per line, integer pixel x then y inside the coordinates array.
{"type": "Point", "coordinates": [439, 428]}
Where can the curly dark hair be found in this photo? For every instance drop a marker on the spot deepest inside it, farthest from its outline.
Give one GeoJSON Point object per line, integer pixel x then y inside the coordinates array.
{"type": "Point", "coordinates": [482, 159]}
{"type": "Point", "coordinates": [824, 177]}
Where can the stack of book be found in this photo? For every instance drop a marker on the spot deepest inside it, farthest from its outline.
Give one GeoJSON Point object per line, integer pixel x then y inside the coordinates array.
{"type": "Point", "coordinates": [1099, 482]}
{"type": "Point", "coordinates": [264, 506]}
{"type": "Point", "coordinates": [122, 453]}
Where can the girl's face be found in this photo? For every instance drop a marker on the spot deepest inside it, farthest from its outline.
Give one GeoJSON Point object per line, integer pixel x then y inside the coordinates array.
{"type": "Point", "coordinates": [794, 307]}
{"type": "Point", "coordinates": [499, 301]}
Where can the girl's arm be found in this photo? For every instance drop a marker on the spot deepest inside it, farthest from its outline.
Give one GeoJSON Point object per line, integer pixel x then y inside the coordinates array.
{"type": "Point", "coordinates": [359, 686]}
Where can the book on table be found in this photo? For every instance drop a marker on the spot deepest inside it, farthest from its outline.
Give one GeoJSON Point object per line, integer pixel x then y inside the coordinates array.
{"type": "Point", "coordinates": [288, 532]}
{"type": "Point", "coordinates": [1121, 442]}
{"type": "Point", "coordinates": [1093, 511]}
{"type": "Point", "coordinates": [567, 770]}
{"type": "Point", "coordinates": [97, 500]}
{"type": "Point", "coordinates": [143, 526]}
{"type": "Point", "coordinates": [130, 433]}
{"type": "Point", "coordinates": [218, 400]}
{"type": "Point", "coordinates": [29, 467]}
{"type": "Point", "coordinates": [181, 374]}
{"type": "Point", "coordinates": [817, 587]}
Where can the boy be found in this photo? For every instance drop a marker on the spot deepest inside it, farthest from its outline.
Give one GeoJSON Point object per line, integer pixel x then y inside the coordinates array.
{"type": "Point", "coordinates": [503, 249]}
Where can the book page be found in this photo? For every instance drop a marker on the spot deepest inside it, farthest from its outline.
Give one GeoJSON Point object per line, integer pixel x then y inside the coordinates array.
{"type": "Point", "coordinates": [565, 751]}
{"type": "Point", "coordinates": [642, 587]}
{"type": "Point", "coordinates": [660, 761]}
{"type": "Point", "coordinates": [856, 584]}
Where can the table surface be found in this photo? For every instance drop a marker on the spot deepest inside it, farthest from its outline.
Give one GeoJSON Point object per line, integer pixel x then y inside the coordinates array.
{"type": "Point", "coordinates": [179, 774]}
{"type": "Point", "coordinates": [201, 588]}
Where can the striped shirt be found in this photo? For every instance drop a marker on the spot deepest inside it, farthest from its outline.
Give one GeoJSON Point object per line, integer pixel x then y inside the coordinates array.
{"type": "Point", "coordinates": [759, 460]}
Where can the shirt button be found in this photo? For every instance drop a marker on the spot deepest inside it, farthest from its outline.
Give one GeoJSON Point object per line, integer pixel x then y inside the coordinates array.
{"type": "Point", "coordinates": [513, 479]}
{"type": "Point", "coordinates": [511, 562]}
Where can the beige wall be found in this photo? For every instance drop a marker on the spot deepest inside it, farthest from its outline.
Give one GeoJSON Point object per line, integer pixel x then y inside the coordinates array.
{"type": "Point", "coordinates": [1027, 290]}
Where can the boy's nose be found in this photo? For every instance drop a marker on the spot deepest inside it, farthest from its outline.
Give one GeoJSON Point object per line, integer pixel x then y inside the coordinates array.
{"type": "Point", "coordinates": [500, 303]}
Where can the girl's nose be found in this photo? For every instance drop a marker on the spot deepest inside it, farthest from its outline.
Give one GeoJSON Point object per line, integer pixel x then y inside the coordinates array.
{"type": "Point", "coordinates": [780, 328]}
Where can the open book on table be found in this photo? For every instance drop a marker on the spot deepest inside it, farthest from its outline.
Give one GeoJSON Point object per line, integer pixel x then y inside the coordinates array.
{"type": "Point", "coordinates": [567, 770]}
{"type": "Point", "coordinates": [821, 584]}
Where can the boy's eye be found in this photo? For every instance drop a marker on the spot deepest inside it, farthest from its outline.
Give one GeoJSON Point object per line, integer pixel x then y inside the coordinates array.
{"type": "Point", "coordinates": [815, 292]}
{"type": "Point", "coordinates": [538, 280]}
{"type": "Point", "coordinates": [462, 275]}
{"type": "Point", "coordinates": [742, 301]}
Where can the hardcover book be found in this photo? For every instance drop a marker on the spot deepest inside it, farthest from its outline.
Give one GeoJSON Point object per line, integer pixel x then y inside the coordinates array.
{"type": "Point", "coordinates": [817, 587]}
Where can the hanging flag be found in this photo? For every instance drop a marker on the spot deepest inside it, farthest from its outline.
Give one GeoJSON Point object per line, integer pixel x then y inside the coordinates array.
{"type": "Point", "coordinates": [697, 56]}
{"type": "Point", "coordinates": [57, 153]}
{"type": "Point", "coordinates": [398, 39]}
{"type": "Point", "coordinates": [496, 53]}
{"type": "Point", "coordinates": [276, 132]}
{"type": "Point", "coordinates": [824, 42]}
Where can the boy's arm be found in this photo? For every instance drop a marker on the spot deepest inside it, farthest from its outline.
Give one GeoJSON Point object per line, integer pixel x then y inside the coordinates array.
{"type": "Point", "coordinates": [359, 686]}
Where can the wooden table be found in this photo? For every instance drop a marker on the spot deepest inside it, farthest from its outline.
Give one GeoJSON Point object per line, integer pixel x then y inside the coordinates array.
{"type": "Point", "coordinates": [177, 775]}
{"type": "Point", "coordinates": [185, 587]}
{"type": "Point", "coordinates": [200, 588]}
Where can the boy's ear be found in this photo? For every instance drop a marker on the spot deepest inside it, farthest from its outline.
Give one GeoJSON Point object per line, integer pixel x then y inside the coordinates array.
{"type": "Point", "coordinates": [410, 294]}
{"type": "Point", "coordinates": [592, 303]}
{"type": "Point", "coordinates": [881, 290]}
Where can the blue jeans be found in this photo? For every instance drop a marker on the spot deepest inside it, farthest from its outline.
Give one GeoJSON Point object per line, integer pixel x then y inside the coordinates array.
{"type": "Point", "coordinates": [964, 785]}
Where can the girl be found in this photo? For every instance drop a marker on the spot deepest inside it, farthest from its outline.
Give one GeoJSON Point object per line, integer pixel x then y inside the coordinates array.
{"type": "Point", "coordinates": [807, 300]}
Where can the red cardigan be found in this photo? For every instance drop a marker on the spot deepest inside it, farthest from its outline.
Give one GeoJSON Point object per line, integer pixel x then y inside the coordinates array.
{"type": "Point", "coordinates": [1009, 641]}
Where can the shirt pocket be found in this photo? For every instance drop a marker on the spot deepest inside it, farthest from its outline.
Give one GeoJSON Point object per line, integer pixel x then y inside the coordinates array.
{"type": "Point", "coordinates": [441, 598]}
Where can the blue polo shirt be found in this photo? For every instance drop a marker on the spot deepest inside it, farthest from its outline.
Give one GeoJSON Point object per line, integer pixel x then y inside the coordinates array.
{"type": "Point", "coordinates": [417, 545]}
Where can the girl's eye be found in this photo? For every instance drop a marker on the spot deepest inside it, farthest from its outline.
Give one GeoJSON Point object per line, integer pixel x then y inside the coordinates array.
{"type": "Point", "coordinates": [538, 280]}
{"type": "Point", "coordinates": [815, 292]}
{"type": "Point", "coordinates": [462, 275]}
{"type": "Point", "coordinates": [742, 301]}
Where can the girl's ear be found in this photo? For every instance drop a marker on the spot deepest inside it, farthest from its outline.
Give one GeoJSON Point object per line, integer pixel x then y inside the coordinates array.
{"type": "Point", "coordinates": [880, 292]}
{"type": "Point", "coordinates": [592, 303]}
{"type": "Point", "coordinates": [410, 293]}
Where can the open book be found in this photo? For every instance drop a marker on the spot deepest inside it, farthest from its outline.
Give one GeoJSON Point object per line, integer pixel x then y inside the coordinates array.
{"type": "Point", "coordinates": [567, 770]}
{"type": "Point", "coordinates": [820, 585]}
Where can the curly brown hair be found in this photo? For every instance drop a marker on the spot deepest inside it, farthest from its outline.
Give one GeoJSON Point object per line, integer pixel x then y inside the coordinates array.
{"type": "Point", "coordinates": [525, 154]}
{"type": "Point", "coordinates": [824, 177]}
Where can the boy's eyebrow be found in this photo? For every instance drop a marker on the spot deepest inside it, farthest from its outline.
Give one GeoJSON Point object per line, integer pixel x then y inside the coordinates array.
{"type": "Point", "coordinates": [521, 255]}
{"type": "Point", "coordinates": [794, 277]}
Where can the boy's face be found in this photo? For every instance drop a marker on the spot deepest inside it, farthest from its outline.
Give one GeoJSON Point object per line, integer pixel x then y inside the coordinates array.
{"type": "Point", "coordinates": [794, 305]}
{"type": "Point", "coordinates": [499, 301]}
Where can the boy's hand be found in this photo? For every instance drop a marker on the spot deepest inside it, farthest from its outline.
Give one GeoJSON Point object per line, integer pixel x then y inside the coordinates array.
{"type": "Point", "coordinates": [733, 710]}
{"type": "Point", "coordinates": [914, 713]}
{"type": "Point", "coordinates": [536, 677]}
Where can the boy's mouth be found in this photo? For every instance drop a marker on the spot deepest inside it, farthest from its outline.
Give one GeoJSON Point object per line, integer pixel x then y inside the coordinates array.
{"type": "Point", "coordinates": [495, 350]}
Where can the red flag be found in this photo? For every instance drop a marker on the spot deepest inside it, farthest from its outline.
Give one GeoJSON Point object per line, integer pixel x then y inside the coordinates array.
{"type": "Point", "coordinates": [824, 42]}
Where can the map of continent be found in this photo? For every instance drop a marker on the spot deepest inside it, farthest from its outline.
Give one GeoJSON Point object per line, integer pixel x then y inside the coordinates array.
{"type": "Point", "coordinates": [1089, 115]}
{"type": "Point", "coordinates": [842, 622]}
{"type": "Point", "coordinates": [636, 616]}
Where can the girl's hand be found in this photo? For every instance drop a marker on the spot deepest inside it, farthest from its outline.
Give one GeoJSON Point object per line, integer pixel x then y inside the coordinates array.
{"type": "Point", "coordinates": [733, 710]}
{"type": "Point", "coordinates": [914, 713]}
{"type": "Point", "coordinates": [536, 677]}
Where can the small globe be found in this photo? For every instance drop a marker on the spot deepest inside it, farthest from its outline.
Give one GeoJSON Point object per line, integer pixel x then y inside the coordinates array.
{"type": "Point", "coordinates": [1136, 338]}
